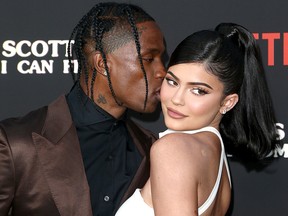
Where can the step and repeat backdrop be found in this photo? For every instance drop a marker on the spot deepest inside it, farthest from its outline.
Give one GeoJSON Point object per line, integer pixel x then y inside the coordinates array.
{"type": "Point", "coordinates": [34, 71]}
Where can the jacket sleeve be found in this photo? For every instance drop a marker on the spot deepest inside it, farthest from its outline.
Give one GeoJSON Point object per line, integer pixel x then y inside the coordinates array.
{"type": "Point", "coordinates": [7, 177]}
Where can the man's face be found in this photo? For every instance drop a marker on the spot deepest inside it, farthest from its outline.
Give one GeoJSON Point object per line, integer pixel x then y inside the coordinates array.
{"type": "Point", "coordinates": [127, 77]}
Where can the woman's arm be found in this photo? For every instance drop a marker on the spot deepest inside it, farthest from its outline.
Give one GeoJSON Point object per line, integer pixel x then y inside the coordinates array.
{"type": "Point", "coordinates": [174, 175]}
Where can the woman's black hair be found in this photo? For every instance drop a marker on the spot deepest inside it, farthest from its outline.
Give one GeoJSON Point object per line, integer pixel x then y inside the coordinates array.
{"type": "Point", "coordinates": [230, 52]}
{"type": "Point", "coordinates": [107, 26]}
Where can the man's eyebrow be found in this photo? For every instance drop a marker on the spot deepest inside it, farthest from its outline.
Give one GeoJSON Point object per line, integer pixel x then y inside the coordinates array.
{"type": "Point", "coordinates": [189, 83]}
{"type": "Point", "coordinates": [150, 50]}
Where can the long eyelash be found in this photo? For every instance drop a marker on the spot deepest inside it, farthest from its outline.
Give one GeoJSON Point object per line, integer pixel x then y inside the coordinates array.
{"type": "Point", "coordinates": [168, 79]}
{"type": "Point", "coordinates": [202, 90]}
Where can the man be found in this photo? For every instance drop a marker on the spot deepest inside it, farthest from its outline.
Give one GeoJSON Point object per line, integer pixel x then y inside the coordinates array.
{"type": "Point", "coordinates": [81, 155]}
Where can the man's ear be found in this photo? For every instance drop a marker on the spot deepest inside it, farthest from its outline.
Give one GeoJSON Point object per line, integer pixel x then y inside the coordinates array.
{"type": "Point", "coordinates": [228, 103]}
{"type": "Point", "coordinates": [98, 63]}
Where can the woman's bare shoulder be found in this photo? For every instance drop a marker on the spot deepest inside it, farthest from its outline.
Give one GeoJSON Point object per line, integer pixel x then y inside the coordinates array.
{"type": "Point", "coordinates": [188, 150]}
{"type": "Point", "coordinates": [201, 143]}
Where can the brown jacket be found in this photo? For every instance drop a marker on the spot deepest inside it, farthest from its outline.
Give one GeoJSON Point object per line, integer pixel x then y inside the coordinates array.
{"type": "Point", "coordinates": [41, 168]}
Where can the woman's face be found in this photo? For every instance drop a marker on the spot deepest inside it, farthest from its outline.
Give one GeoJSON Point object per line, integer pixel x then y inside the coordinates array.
{"type": "Point", "coordinates": [191, 97]}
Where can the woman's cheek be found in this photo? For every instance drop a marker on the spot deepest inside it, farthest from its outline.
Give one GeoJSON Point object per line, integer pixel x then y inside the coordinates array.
{"type": "Point", "coordinates": [198, 107]}
{"type": "Point", "coordinates": [164, 93]}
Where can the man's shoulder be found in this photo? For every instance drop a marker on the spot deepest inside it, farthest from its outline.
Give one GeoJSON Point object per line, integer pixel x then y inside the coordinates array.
{"type": "Point", "coordinates": [31, 118]}
{"type": "Point", "coordinates": [33, 121]}
{"type": "Point", "coordinates": [19, 129]}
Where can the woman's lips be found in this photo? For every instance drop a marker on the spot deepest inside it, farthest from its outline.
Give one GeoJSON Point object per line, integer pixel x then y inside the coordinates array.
{"type": "Point", "coordinates": [174, 114]}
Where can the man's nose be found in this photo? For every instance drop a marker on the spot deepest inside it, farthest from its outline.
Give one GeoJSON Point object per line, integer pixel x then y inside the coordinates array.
{"type": "Point", "coordinates": [160, 73]}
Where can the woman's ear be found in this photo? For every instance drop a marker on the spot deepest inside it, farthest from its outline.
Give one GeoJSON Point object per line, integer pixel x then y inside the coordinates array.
{"type": "Point", "coordinates": [98, 63]}
{"type": "Point", "coordinates": [228, 103]}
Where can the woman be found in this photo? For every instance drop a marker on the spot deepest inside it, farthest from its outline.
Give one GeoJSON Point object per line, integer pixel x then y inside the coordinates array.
{"type": "Point", "coordinates": [215, 82]}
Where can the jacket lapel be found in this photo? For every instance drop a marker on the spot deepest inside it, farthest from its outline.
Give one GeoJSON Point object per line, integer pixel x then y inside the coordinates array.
{"type": "Point", "coordinates": [60, 156]}
{"type": "Point", "coordinates": [143, 142]}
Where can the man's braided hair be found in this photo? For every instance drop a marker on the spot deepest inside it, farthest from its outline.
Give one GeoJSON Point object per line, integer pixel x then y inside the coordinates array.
{"type": "Point", "coordinates": [107, 26]}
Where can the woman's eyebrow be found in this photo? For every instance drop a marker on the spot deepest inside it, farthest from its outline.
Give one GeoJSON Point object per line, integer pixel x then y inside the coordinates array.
{"type": "Point", "coordinates": [173, 75]}
{"type": "Point", "coordinates": [189, 83]}
{"type": "Point", "coordinates": [200, 83]}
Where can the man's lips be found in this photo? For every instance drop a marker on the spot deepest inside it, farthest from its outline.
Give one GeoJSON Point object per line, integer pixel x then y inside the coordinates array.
{"type": "Point", "coordinates": [175, 114]}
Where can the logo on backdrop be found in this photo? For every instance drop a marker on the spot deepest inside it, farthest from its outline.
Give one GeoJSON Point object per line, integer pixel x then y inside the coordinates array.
{"type": "Point", "coordinates": [272, 40]}
{"type": "Point", "coordinates": [281, 151]}
{"type": "Point", "coordinates": [36, 57]}
{"type": "Point", "coordinates": [40, 57]}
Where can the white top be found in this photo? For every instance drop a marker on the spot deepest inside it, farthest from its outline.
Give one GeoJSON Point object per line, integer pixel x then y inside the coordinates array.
{"type": "Point", "coordinates": [135, 205]}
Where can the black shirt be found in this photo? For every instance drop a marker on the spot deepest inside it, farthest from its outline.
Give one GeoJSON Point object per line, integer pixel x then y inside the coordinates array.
{"type": "Point", "coordinates": [109, 155]}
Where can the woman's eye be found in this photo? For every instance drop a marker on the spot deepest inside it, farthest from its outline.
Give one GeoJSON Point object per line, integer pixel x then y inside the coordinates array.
{"type": "Point", "coordinates": [199, 91]}
{"type": "Point", "coordinates": [171, 82]}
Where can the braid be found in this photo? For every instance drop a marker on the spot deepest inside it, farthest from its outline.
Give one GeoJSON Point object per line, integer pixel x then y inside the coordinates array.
{"type": "Point", "coordinates": [98, 31]}
{"type": "Point", "coordinates": [79, 33]}
{"type": "Point", "coordinates": [70, 54]}
{"type": "Point", "coordinates": [108, 76]}
{"type": "Point", "coordinates": [98, 35]}
{"type": "Point", "coordinates": [131, 20]}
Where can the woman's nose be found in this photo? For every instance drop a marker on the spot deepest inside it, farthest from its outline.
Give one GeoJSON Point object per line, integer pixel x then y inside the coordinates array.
{"type": "Point", "coordinates": [178, 98]}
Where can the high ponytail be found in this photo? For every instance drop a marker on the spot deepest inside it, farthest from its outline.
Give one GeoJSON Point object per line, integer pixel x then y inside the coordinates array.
{"type": "Point", "coordinates": [250, 127]}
